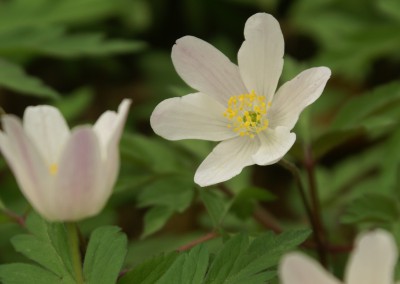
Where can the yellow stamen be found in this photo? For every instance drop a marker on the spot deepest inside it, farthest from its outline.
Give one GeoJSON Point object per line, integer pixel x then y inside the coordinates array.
{"type": "Point", "coordinates": [247, 114]}
{"type": "Point", "coordinates": [53, 169]}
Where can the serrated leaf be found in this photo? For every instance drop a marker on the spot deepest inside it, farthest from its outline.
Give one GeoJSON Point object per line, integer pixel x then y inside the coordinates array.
{"type": "Point", "coordinates": [21, 273]}
{"type": "Point", "coordinates": [189, 267]}
{"type": "Point", "coordinates": [150, 271]}
{"type": "Point", "coordinates": [375, 208]}
{"type": "Point", "coordinates": [47, 245]}
{"type": "Point", "coordinates": [105, 255]}
{"type": "Point", "coordinates": [242, 260]}
{"type": "Point", "coordinates": [14, 78]}
{"type": "Point", "coordinates": [155, 219]}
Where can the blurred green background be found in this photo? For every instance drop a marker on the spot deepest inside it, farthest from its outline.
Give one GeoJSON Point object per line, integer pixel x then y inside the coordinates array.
{"type": "Point", "coordinates": [85, 56]}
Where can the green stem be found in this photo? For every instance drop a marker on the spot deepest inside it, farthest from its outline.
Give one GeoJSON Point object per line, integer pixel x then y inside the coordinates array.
{"type": "Point", "coordinates": [73, 240]}
{"type": "Point", "coordinates": [313, 220]}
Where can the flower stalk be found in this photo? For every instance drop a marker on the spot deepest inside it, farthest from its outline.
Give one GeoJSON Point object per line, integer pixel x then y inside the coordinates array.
{"type": "Point", "coordinates": [73, 241]}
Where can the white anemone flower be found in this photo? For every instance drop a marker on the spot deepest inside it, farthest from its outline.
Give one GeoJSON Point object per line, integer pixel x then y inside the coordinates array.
{"type": "Point", "coordinates": [65, 175]}
{"type": "Point", "coordinates": [237, 104]}
{"type": "Point", "coordinates": [372, 262]}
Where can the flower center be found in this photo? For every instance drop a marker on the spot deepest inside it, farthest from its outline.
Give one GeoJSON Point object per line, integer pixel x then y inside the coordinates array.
{"type": "Point", "coordinates": [247, 114]}
{"type": "Point", "coordinates": [53, 169]}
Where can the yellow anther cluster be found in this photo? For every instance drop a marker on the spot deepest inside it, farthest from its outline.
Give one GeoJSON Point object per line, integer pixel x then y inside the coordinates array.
{"type": "Point", "coordinates": [247, 114]}
{"type": "Point", "coordinates": [53, 169]}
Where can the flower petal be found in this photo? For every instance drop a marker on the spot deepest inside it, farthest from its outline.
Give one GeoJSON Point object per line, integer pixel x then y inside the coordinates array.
{"type": "Point", "coordinates": [295, 95]}
{"type": "Point", "coordinates": [28, 166]}
{"type": "Point", "coordinates": [261, 55]}
{"type": "Point", "coordinates": [373, 259]}
{"type": "Point", "coordinates": [275, 143]}
{"type": "Point", "coordinates": [206, 69]}
{"type": "Point", "coordinates": [226, 160]}
{"type": "Point", "coordinates": [296, 268]}
{"type": "Point", "coordinates": [47, 128]}
{"type": "Point", "coordinates": [77, 193]}
{"type": "Point", "coordinates": [110, 124]}
{"type": "Point", "coordinates": [194, 116]}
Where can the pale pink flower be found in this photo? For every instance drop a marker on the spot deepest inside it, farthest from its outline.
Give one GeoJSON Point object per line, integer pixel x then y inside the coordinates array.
{"type": "Point", "coordinates": [372, 262]}
{"type": "Point", "coordinates": [237, 104]}
{"type": "Point", "coordinates": [65, 175]}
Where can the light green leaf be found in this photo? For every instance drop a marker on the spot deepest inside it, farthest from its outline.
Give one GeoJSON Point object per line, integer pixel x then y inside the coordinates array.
{"type": "Point", "coordinates": [155, 219]}
{"type": "Point", "coordinates": [14, 77]}
{"type": "Point", "coordinates": [21, 273]}
{"type": "Point", "coordinates": [105, 255]}
{"type": "Point", "coordinates": [372, 208]}
{"type": "Point", "coordinates": [47, 245]}
{"type": "Point", "coordinates": [150, 271]}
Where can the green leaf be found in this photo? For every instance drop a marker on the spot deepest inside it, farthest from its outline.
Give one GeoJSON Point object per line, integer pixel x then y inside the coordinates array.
{"type": "Point", "coordinates": [75, 103]}
{"type": "Point", "coordinates": [21, 273]}
{"type": "Point", "coordinates": [14, 77]}
{"type": "Point", "coordinates": [245, 201]}
{"type": "Point", "coordinates": [174, 192]}
{"type": "Point", "coordinates": [243, 260]}
{"type": "Point", "coordinates": [217, 206]}
{"type": "Point", "coordinates": [189, 267]}
{"type": "Point", "coordinates": [372, 208]}
{"type": "Point", "coordinates": [359, 109]}
{"type": "Point", "coordinates": [150, 271]}
{"type": "Point", "coordinates": [105, 255]}
{"type": "Point", "coordinates": [47, 245]}
{"type": "Point", "coordinates": [155, 219]}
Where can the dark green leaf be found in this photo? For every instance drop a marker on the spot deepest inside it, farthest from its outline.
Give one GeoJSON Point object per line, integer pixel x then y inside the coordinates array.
{"type": "Point", "coordinates": [217, 206]}
{"type": "Point", "coordinates": [375, 208]}
{"type": "Point", "coordinates": [155, 219]}
{"type": "Point", "coordinates": [105, 255]}
{"type": "Point", "coordinates": [150, 271]}
{"type": "Point", "coordinates": [14, 77]}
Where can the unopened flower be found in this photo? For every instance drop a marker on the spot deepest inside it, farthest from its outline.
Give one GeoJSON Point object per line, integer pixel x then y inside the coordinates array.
{"type": "Point", "coordinates": [372, 261]}
{"type": "Point", "coordinates": [237, 104]}
{"type": "Point", "coordinates": [65, 175]}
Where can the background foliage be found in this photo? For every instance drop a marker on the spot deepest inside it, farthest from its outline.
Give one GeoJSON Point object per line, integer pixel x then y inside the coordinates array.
{"type": "Point", "coordinates": [84, 56]}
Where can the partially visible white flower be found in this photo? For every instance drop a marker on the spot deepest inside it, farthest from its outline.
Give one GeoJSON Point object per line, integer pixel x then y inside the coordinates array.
{"type": "Point", "coordinates": [237, 104]}
{"type": "Point", "coordinates": [372, 262]}
{"type": "Point", "coordinates": [66, 175]}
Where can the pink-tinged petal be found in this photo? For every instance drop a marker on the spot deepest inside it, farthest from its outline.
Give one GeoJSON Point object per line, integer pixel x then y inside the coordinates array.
{"type": "Point", "coordinates": [297, 94]}
{"type": "Point", "coordinates": [47, 128]}
{"type": "Point", "coordinates": [373, 259]}
{"type": "Point", "coordinates": [28, 166]}
{"type": "Point", "coordinates": [110, 125]}
{"type": "Point", "coordinates": [261, 55]}
{"type": "Point", "coordinates": [109, 129]}
{"type": "Point", "coordinates": [206, 69]}
{"type": "Point", "coordinates": [226, 160]}
{"type": "Point", "coordinates": [194, 116]}
{"type": "Point", "coordinates": [78, 188]}
{"type": "Point", "coordinates": [296, 268]}
{"type": "Point", "coordinates": [274, 144]}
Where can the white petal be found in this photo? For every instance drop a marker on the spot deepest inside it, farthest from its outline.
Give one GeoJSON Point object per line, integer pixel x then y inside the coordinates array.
{"type": "Point", "coordinates": [275, 143]}
{"type": "Point", "coordinates": [226, 160]}
{"type": "Point", "coordinates": [29, 168]}
{"type": "Point", "coordinates": [110, 124]}
{"type": "Point", "coordinates": [295, 95]}
{"type": "Point", "coordinates": [261, 54]}
{"type": "Point", "coordinates": [373, 259]}
{"type": "Point", "coordinates": [206, 69]}
{"type": "Point", "coordinates": [79, 178]}
{"type": "Point", "coordinates": [47, 128]}
{"type": "Point", "coordinates": [194, 116]}
{"type": "Point", "coordinates": [296, 268]}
